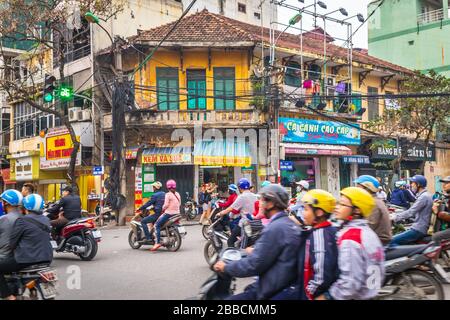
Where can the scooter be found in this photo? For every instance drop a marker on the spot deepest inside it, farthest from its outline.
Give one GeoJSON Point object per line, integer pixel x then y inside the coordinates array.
{"type": "Point", "coordinates": [190, 208]}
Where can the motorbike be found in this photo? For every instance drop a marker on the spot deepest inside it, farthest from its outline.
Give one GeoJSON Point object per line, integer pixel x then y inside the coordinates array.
{"type": "Point", "coordinates": [190, 208]}
{"type": "Point", "coordinates": [36, 282]}
{"type": "Point", "coordinates": [219, 234]}
{"type": "Point", "coordinates": [219, 286]}
{"type": "Point", "coordinates": [79, 236]}
{"type": "Point", "coordinates": [412, 272]}
{"type": "Point", "coordinates": [215, 209]}
{"type": "Point", "coordinates": [172, 232]}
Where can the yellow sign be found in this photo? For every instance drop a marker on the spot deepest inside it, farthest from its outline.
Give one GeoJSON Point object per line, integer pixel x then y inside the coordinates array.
{"type": "Point", "coordinates": [166, 158]}
{"type": "Point", "coordinates": [225, 161]}
{"type": "Point", "coordinates": [59, 147]}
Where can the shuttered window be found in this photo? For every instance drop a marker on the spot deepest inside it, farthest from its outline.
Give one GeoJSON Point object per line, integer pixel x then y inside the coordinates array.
{"type": "Point", "coordinates": [167, 88]}
{"type": "Point", "coordinates": [224, 88]}
{"type": "Point", "coordinates": [196, 85]}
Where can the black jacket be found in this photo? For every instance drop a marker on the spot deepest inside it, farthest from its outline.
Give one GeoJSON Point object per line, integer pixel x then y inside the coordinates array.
{"type": "Point", "coordinates": [71, 206]}
{"type": "Point", "coordinates": [30, 239]}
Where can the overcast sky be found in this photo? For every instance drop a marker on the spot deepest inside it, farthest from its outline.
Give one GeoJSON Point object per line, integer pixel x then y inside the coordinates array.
{"type": "Point", "coordinates": [336, 30]}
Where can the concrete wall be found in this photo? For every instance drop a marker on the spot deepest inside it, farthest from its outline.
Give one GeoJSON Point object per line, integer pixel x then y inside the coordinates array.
{"type": "Point", "coordinates": [439, 168]}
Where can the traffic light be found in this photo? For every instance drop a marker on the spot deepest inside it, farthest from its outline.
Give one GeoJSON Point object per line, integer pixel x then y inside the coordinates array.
{"type": "Point", "coordinates": [65, 92]}
{"type": "Point", "coordinates": [49, 87]}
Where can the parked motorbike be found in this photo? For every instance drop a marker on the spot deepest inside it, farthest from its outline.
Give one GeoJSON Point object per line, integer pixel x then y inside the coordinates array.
{"type": "Point", "coordinates": [36, 282]}
{"type": "Point", "coordinates": [190, 208]}
{"type": "Point", "coordinates": [171, 232]}
{"type": "Point", "coordinates": [413, 273]}
{"type": "Point", "coordinates": [79, 237]}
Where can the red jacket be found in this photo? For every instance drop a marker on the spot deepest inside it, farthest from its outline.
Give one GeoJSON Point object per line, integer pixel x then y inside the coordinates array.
{"type": "Point", "coordinates": [229, 202]}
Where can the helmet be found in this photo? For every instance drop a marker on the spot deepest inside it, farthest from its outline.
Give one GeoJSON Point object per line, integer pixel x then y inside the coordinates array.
{"type": "Point", "coordinates": [33, 202]}
{"type": "Point", "coordinates": [368, 182]}
{"type": "Point", "coordinates": [13, 197]}
{"type": "Point", "coordinates": [361, 199]}
{"type": "Point", "coordinates": [277, 194]}
{"type": "Point", "coordinates": [420, 180]}
{"type": "Point", "coordinates": [157, 185]}
{"type": "Point", "coordinates": [244, 184]}
{"type": "Point", "coordinates": [304, 184]}
{"type": "Point", "coordinates": [265, 184]}
{"type": "Point", "coordinates": [400, 183]}
{"type": "Point", "coordinates": [233, 187]}
{"type": "Point", "coordinates": [320, 199]}
{"type": "Point", "coordinates": [171, 184]}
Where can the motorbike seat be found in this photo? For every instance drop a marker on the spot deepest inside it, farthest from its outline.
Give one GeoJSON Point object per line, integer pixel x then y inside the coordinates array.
{"type": "Point", "coordinates": [402, 251]}
{"type": "Point", "coordinates": [171, 220]}
{"type": "Point", "coordinates": [35, 268]}
{"type": "Point", "coordinates": [426, 239]}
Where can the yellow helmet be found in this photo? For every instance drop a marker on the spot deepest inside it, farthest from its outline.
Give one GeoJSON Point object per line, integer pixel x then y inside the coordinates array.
{"type": "Point", "coordinates": [320, 199]}
{"type": "Point", "coordinates": [361, 199]}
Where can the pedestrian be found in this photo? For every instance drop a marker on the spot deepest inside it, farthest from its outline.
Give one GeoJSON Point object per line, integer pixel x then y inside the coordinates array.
{"type": "Point", "coordinates": [205, 200]}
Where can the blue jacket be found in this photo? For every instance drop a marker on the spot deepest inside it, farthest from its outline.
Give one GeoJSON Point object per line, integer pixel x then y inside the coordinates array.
{"type": "Point", "coordinates": [157, 200]}
{"type": "Point", "coordinates": [274, 258]}
{"type": "Point", "coordinates": [420, 212]}
{"type": "Point", "coordinates": [398, 198]}
{"type": "Point", "coordinates": [318, 261]}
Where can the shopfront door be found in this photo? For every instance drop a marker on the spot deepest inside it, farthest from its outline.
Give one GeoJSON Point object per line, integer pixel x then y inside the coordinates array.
{"type": "Point", "coordinates": [182, 174]}
{"type": "Point", "coordinates": [344, 172]}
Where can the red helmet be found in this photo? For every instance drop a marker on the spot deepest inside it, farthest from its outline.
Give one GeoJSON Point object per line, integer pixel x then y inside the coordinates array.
{"type": "Point", "coordinates": [171, 184]}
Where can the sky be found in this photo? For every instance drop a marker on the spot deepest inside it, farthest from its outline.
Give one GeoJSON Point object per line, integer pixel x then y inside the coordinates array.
{"type": "Point", "coordinates": [336, 30]}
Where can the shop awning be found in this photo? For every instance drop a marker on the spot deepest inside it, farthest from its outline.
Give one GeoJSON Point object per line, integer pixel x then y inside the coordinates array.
{"type": "Point", "coordinates": [316, 149]}
{"type": "Point", "coordinates": [174, 155]}
{"type": "Point", "coordinates": [222, 153]}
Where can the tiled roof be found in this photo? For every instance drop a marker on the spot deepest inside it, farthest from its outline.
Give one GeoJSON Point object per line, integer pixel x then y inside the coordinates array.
{"type": "Point", "coordinates": [205, 26]}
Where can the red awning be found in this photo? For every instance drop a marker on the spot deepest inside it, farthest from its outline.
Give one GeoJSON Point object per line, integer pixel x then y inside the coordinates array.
{"type": "Point", "coordinates": [6, 176]}
{"type": "Point", "coordinates": [316, 149]}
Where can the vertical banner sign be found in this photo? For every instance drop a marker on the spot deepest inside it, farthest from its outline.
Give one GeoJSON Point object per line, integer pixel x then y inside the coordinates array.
{"type": "Point", "coordinates": [138, 187]}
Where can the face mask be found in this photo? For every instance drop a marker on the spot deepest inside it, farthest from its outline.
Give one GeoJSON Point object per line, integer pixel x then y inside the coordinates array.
{"type": "Point", "coordinates": [414, 189]}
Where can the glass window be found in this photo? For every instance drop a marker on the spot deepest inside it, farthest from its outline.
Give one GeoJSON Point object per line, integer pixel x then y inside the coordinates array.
{"type": "Point", "coordinates": [167, 88]}
{"type": "Point", "coordinates": [372, 104]}
{"type": "Point", "coordinates": [224, 88]}
{"type": "Point", "coordinates": [293, 77]}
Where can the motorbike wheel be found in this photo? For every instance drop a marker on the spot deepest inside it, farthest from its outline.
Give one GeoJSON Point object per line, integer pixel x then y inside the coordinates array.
{"type": "Point", "coordinates": [418, 285]}
{"type": "Point", "coordinates": [205, 232]}
{"type": "Point", "coordinates": [91, 249]}
{"type": "Point", "coordinates": [174, 246]}
{"type": "Point", "coordinates": [210, 253]}
{"type": "Point", "coordinates": [133, 240]}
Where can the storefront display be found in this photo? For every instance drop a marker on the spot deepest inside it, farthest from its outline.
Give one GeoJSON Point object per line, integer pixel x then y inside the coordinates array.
{"type": "Point", "coordinates": [302, 169]}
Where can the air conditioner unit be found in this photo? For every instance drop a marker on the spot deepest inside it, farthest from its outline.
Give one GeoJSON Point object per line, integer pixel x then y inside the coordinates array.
{"type": "Point", "coordinates": [86, 115]}
{"type": "Point", "coordinates": [331, 82]}
{"type": "Point", "coordinates": [74, 114]}
{"type": "Point", "coordinates": [80, 114]}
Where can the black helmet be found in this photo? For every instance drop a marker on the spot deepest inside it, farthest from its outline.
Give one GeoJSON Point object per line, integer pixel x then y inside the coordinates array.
{"type": "Point", "coordinates": [277, 194]}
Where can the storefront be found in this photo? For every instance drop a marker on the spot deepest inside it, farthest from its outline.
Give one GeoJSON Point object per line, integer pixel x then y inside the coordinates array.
{"type": "Point", "coordinates": [314, 151]}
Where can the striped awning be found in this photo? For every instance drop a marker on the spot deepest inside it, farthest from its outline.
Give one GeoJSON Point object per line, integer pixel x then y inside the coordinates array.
{"type": "Point", "coordinates": [167, 155]}
{"type": "Point", "coordinates": [222, 153]}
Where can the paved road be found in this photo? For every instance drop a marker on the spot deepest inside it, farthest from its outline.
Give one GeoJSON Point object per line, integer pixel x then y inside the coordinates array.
{"type": "Point", "coordinates": [119, 272]}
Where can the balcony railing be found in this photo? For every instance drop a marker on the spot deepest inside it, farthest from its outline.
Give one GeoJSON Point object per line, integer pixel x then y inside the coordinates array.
{"type": "Point", "coordinates": [430, 16]}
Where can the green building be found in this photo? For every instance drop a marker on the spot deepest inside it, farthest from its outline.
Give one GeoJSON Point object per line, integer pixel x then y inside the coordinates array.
{"type": "Point", "coordinates": [412, 33]}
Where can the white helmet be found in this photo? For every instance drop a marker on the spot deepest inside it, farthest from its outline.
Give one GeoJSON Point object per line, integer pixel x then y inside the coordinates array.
{"type": "Point", "coordinates": [304, 184]}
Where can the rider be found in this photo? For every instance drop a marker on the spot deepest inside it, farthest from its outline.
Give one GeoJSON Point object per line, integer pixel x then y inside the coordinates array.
{"type": "Point", "coordinates": [27, 189]}
{"type": "Point", "coordinates": [361, 254]}
{"type": "Point", "coordinates": [172, 203]}
{"type": "Point", "coordinates": [258, 213]}
{"type": "Point", "coordinates": [11, 201]}
{"type": "Point", "coordinates": [443, 215]}
{"type": "Point", "coordinates": [70, 203]}
{"type": "Point", "coordinates": [398, 196]}
{"type": "Point", "coordinates": [379, 220]}
{"type": "Point", "coordinates": [157, 201]}
{"type": "Point", "coordinates": [274, 258]}
{"type": "Point", "coordinates": [298, 207]}
{"type": "Point", "coordinates": [318, 259]}
{"type": "Point", "coordinates": [30, 242]}
{"type": "Point", "coordinates": [420, 211]}
{"type": "Point", "coordinates": [244, 204]}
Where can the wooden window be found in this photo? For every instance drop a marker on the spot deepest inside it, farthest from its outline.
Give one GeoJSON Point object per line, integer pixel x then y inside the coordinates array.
{"type": "Point", "coordinates": [224, 88]}
{"type": "Point", "coordinates": [373, 104]}
{"type": "Point", "coordinates": [196, 86]}
{"type": "Point", "coordinates": [167, 88]}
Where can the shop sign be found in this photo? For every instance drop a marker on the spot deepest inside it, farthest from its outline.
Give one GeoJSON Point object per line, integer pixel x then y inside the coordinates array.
{"type": "Point", "coordinates": [131, 153]}
{"type": "Point", "coordinates": [249, 169]}
{"type": "Point", "coordinates": [24, 169]}
{"type": "Point", "coordinates": [58, 149]}
{"type": "Point", "coordinates": [166, 158]}
{"type": "Point", "coordinates": [317, 131]}
{"type": "Point", "coordinates": [97, 171]}
{"type": "Point", "coordinates": [286, 165]}
{"type": "Point", "coordinates": [356, 159]}
{"type": "Point", "coordinates": [415, 152]}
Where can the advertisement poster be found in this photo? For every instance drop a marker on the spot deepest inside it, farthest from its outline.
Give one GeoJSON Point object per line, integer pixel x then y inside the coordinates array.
{"type": "Point", "coordinates": [320, 132]}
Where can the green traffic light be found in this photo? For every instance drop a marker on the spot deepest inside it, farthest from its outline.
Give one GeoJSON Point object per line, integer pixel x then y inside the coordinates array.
{"type": "Point", "coordinates": [65, 93]}
{"type": "Point", "coordinates": [48, 97]}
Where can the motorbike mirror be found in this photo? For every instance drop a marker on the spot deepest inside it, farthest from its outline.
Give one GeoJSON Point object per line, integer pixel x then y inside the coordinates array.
{"type": "Point", "coordinates": [231, 254]}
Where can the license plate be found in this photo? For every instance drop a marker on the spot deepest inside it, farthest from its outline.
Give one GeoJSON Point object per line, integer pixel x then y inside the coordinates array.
{"type": "Point", "coordinates": [54, 244]}
{"type": "Point", "coordinates": [96, 234]}
{"type": "Point", "coordinates": [48, 290]}
{"type": "Point", "coordinates": [181, 230]}
{"type": "Point", "coordinates": [441, 272]}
